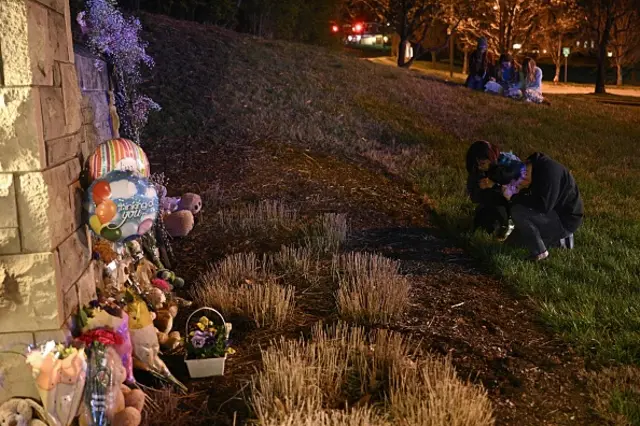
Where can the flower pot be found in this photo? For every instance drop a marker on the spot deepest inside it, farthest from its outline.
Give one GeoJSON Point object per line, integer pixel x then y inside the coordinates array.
{"type": "Point", "coordinates": [207, 367]}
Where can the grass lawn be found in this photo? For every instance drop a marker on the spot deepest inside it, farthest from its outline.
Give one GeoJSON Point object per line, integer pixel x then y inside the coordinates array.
{"type": "Point", "coordinates": [417, 129]}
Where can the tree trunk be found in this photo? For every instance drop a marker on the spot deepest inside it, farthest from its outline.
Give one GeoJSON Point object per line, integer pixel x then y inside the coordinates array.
{"type": "Point", "coordinates": [465, 64]}
{"type": "Point", "coordinates": [619, 73]}
{"type": "Point", "coordinates": [601, 75]}
{"type": "Point", "coordinates": [402, 52]}
{"type": "Point", "coordinates": [434, 59]}
{"type": "Point", "coordinates": [558, 61]}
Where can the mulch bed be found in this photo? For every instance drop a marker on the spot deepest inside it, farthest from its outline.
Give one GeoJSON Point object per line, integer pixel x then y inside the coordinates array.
{"type": "Point", "coordinates": [492, 335]}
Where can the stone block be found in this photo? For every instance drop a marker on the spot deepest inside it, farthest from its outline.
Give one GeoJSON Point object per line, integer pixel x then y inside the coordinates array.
{"type": "Point", "coordinates": [57, 78]}
{"type": "Point", "coordinates": [27, 57]}
{"type": "Point", "coordinates": [54, 124]}
{"type": "Point", "coordinates": [87, 112]}
{"type": "Point", "coordinates": [69, 305]}
{"type": "Point", "coordinates": [21, 133]}
{"type": "Point", "coordinates": [90, 77]}
{"type": "Point", "coordinates": [73, 257]}
{"type": "Point", "coordinates": [74, 168]}
{"type": "Point", "coordinates": [57, 5]}
{"type": "Point", "coordinates": [88, 283]}
{"type": "Point", "coordinates": [58, 36]}
{"type": "Point", "coordinates": [76, 196]}
{"type": "Point", "coordinates": [59, 335]}
{"type": "Point", "coordinates": [9, 241]}
{"type": "Point", "coordinates": [44, 209]}
{"type": "Point", "coordinates": [17, 380]}
{"type": "Point", "coordinates": [28, 292]}
{"type": "Point", "coordinates": [72, 98]}
{"type": "Point", "coordinates": [63, 149]}
{"type": "Point", "coordinates": [9, 216]}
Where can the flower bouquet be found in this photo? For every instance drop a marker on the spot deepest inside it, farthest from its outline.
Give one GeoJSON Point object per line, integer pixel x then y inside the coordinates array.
{"type": "Point", "coordinates": [207, 346]}
{"type": "Point", "coordinates": [108, 314]}
{"type": "Point", "coordinates": [60, 372]}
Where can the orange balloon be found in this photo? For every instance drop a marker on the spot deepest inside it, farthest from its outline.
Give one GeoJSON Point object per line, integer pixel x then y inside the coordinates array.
{"type": "Point", "coordinates": [101, 191]}
{"type": "Point", "coordinates": [106, 211]}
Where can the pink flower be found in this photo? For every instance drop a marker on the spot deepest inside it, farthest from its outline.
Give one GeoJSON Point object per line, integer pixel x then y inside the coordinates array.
{"type": "Point", "coordinates": [161, 284]}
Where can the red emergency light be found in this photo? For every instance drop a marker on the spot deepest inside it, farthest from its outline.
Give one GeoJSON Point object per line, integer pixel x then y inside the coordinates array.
{"type": "Point", "coordinates": [357, 28]}
{"type": "Point", "coordinates": [335, 29]}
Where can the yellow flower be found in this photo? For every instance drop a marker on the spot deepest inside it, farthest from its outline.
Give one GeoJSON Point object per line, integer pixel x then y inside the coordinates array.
{"type": "Point", "coordinates": [200, 326]}
{"type": "Point", "coordinates": [204, 320]}
{"type": "Point", "coordinates": [231, 351]}
{"type": "Point", "coordinates": [192, 333]}
{"type": "Point", "coordinates": [213, 330]}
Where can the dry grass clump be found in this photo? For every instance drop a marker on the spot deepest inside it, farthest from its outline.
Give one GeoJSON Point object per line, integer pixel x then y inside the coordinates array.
{"type": "Point", "coordinates": [242, 285]}
{"type": "Point", "coordinates": [356, 417]}
{"type": "Point", "coordinates": [304, 380]}
{"type": "Point", "coordinates": [299, 262]}
{"type": "Point", "coordinates": [265, 215]}
{"type": "Point", "coordinates": [327, 234]}
{"type": "Point", "coordinates": [164, 405]}
{"type": "Point", "coordinates": [431, 394]}
{"type": "Point", "coordinates": [372, 290]}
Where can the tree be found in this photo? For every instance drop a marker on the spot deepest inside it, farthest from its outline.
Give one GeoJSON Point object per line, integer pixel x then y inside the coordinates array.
{"type": "Point", "coordinates": [515, 21]}
{"type": "Point", "coordinates": [477, 24]}
{"type": "Point", "coordinates": [415, 20]}
{"type": "Point", "coordinates": [561, 19]}
{"type": "Point", "coordinates": [625, 41]}
{"type": "Point", "coordinates": [601, 16]}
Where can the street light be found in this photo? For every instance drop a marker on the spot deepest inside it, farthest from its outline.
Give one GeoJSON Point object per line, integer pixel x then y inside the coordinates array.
{"type": "Point", "coordinates": [517, 46]}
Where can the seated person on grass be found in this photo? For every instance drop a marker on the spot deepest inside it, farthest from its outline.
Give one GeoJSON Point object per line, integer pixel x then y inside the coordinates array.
{"type": "Point", "coordinates": [492, 213]}
{"type": "Point", "coordinates": [507, 77]}
{"type": "Point", "coordinates": [478, 66]}
{"type": "Point", "coordinates": [547, 208]}
{"type": "Point", "coordinates": [531, 78]}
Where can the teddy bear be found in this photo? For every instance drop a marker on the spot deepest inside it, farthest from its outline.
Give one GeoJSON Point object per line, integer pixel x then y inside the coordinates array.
{"type": "Point", "coordinates": [19, 412]}
{"type": "Point", "coordinates": [178, 213]}
{"type": "Point", "coordinates": [128, 403]}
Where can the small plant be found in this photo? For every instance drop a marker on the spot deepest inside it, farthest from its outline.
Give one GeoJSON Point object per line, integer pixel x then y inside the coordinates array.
{"type": "Point", "coordinates": [302, 382]}
{"type": "Point", "coordinates": [371, 288]}
{"type": "Point", "coordinates": [207, 341]}
{"type": "Point", "coordinates": [327, 234]}
{"type": "Point", "coordinates": [262, 299]}
{"type": "Point", "coordinates": [266, 215]}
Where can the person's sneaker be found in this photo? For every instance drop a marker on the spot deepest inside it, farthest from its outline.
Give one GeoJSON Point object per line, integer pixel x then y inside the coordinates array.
{"type": "Point", "coordinates": [504, 231]}
{"type": "Point", "coordinates": [539, 257]}
{"type": "Point", "coordinates": [567, 242]}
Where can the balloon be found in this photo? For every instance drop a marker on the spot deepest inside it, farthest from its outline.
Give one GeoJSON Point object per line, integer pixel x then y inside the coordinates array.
{"type": "Point", "coordinates": [145, 226]}
{"type": "Point", "coordinates": [95, 224]}
{"type": "Point", "coordinates": [111, 233]}
{"type": "Point", "coordinates": [128, 213]}
{"type": "Point", "coordinates": [117, 154]}
{"type": "Point", "coordinates": [106, 211]}
{"type": "Point", "coordinates": [101, 192]}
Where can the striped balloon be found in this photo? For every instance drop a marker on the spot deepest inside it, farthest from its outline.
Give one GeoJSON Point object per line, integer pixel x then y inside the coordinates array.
{"type": "Point", "coordinates": [117, 154]}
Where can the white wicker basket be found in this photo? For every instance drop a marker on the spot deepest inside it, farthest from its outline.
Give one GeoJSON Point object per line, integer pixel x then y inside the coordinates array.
{"type": "Point", "coordinates": [206, 367]}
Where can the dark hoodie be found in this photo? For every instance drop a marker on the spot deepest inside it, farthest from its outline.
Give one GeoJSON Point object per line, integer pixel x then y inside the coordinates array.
{"type": "Point", "coordinates": [552, 188]}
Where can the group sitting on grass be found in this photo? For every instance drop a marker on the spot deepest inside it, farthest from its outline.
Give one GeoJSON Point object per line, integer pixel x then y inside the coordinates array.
{"type": "Point", "coordinates": [538, 198]}
{"type": "Point", "coordinates": [508, 78]}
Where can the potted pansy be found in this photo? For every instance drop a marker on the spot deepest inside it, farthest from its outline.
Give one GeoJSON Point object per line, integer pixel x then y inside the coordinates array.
{"type": "Point", "coordinates": [207, 345]}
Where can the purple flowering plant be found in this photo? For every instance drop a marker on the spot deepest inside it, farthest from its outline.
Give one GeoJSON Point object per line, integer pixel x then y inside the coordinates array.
{"type": "Point", "coordinates": [206, 340]}
{"type": "Point", "coordinates": [110, 34]}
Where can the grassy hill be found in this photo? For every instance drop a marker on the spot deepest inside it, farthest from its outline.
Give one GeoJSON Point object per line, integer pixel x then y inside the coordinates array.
{"type": "Point", "coordinates": [326, 132]}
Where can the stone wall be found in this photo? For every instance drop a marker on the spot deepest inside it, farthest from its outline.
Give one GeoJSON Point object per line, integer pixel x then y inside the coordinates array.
{"type": "Point", "coordinates": [48, 125]}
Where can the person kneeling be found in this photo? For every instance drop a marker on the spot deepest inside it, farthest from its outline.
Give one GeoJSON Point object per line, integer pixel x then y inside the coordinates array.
{"type": "Point", "coordinates": [547, 209]}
